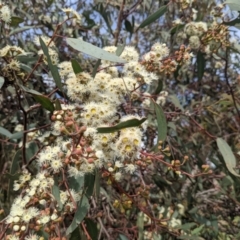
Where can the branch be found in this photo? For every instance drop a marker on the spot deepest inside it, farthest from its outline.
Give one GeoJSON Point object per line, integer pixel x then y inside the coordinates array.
{"type": "Point", "coordinates": [119, 24]}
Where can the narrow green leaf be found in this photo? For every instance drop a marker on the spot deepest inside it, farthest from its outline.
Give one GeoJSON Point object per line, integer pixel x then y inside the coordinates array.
{"type": "Point", "coordinates": [154, 16]}
{"type": "Point", "coordinates": [159, 87]}
{"type": "Point", "coordinates": [43, 100]}
{"type": "Point", "coordinates": [161, 181]}
{"type": "Point", "coordinates": [16, 135]}
{"type": "Point", "coordinates": [5, 132]}
{"type": "Point", "coordinates": [92, 50]}
{"type": "Point", "coordinates": [53, 68]}
{"type": "Point", "coordinates": [79, 215]}
{"type": "Point", "coordinates": [200, 65]}
{"type": "Point", "coordinates": [2, 80]}
{"type": "Point", "coordinates": [15, 21]}
{"type": "Point", "coordinates": [228, 156]}
{"type": "Point", "coordinates": [25, 67]}
{"type": "Point", "coordinates": [188, 226]}
{"type": "Point", "coordinates": [233, 4]}
{"type": "Point", "coordinates": [75, 235]}
{"type": "Point", "coordinates": [76, 67]}
{"type": "Point", "coordinates": [175, 101]}
{"type": "Point", "coordinates": [122, 237]}
{"type": "Point", "coordinates": [120, 49]}
{"type": "Point", "coordinates": [92, 229]}
{"type": "Point", "coordinates": [162, 122]}
{"type": "Point", "coordinates": [76, 183]}
{"type": "Point", "coordinates": [31, 150]}
{"type": "Point", "coordinates": [140, 225]}
{"type": "Point", "coordinates": [197, 230]}
{"type": "Point", "coordinates": [56, 194]}
{"type": "Point", "coordinates": [27, 58]}
{"type": "Point", "coordinates": [89, 181]}
{"type": "Point", "coordinates": [57, 105]}
{"type": "Point", "coordinates": [128, 26]}
{"type": "Point", "coordinates": [96, 68]}
{"type": "Point", "coordinates": [21, 29]}
{"type": "Point", "coordinates": [126, 124]}
{"type": "Point", "coordinates": [176, 28]}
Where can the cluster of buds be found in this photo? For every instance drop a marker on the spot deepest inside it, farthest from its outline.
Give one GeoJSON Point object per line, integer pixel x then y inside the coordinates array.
{"type": "Point", "coordinates": [216, 36]}
{"type": "Point", "coordinates": [123, 204]}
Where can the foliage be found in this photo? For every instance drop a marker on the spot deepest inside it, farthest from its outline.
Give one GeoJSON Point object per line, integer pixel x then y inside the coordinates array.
{"type": "Point", "coordinates": [119, 129]}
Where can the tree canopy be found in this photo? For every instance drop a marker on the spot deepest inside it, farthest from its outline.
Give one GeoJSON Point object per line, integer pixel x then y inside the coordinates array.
{"type": "Point", "coordinates": [119, 119]}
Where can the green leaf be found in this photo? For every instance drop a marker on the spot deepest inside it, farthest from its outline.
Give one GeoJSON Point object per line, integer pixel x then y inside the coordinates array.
{"type": "Point", "coordinates": [161, 181]}
{"type": "Point", "coordinates": [53, 68]}
{"type": "Point", "coordinates": [25, 67]}
{"type": "Point", "coordinates": [28, 57]}
{"type": "Point", "coordinates": [76, 67]}
{"type": "Point", "coordinates": [175, 101]}
{"type": "Point", "coordinates": [233, 4]}
{"type": "Point", "coordinates": [92, 50]}
{"type": "Point", "coordinates": [176, 28]}
{"type": "Point", "coordinates": [92, 229]}
{"type": "Point", "coordinates": [79, 215]}
{"type": "Point", "coordinates": [31, 150]}
{"type": "Point", "coordinates": [57, 105]}
{"type": "Point", "coordinates": [140, 225]}
{"type": "Point", "coordinates": [13, 170]}
{"type": "Point", "coordinates": [128, 27]}
{"type": "Point", "coordinates": [15, 21]}
{"type": "Point", "coordinates": [21, 29]}
{"type": "Point", "coordinates": [233, 22]}
{"type": "Point", "coordinates": [43, 100]}
{"type": "Point", "coordinates": [154, 16]}
{"type": "Point", "coordinates": [120, 49]}
{"type": "Point", "coordinates": [89, 181]}
{"type": "Point", "coordinates": [122, 237]}
{"type": "Point", "coordinates": [96, 68]}
{"type": "Point", "coordinates": [75, 235]}
{"type": "Point", "coordinates": [159, 87]}
{"type": "Point", "coordinates": [228, 156]}
{"type": "Point", "coordinates": [200, 65]}
{"type": "Point", "coordinates": [56, 194]}
{"type": "Point", "coordinates": [97, 184]}
{"type": "Point", "coordinates": [161, 122]}
{"type": "Point", "coordinates": [188, 226]}
{"type": "Point", "coordinates": [197, 230]}
{"type": "Point", "coordinates": [16, 135]}
{"type": "Point", "coordinates": [126, 124]}
{"type": "Point", "coordinates": [76, 183]}
{"type": "Point", "coordinates": [5, 132]}
{"type": "Point", "coordinates": [2, 80]}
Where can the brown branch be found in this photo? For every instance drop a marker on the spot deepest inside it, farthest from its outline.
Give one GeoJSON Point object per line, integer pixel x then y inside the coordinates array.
{"type": "Point", "coordinates": [119, 23]}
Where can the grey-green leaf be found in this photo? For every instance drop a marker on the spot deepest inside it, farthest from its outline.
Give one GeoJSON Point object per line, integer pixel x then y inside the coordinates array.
{"type": "Point", "coordinates": [79, 215]}
{"type": "Point", "coordinates": [56, 194]}
{"type": "Point", "coordinates": [161, 122]}
{"type": "Point", "coordinates": [154, 16]}
{"type": "Point", "coordinates": [5, 132]}
{"type": "Point", "coordinates": [233, 4]}
{"type": "Point", "coordinates": [43, 100]}
{"type": "Point", "coordinates": [53, 68]}
{"type": "Point", "coordinates": [92, 50]}
{"type": "Point", "coordinates": [76, 66]}
{"type": "Point", "coordinates": [228, 156]}
{"type": "Point", "coordinates": [1, 82]}
{"type": "Point", "coordinates": [126, 124]}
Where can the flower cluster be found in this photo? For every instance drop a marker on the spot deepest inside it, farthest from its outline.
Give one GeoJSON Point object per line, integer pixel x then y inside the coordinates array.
{"type": "Point", "coordinates": [5, 13]}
